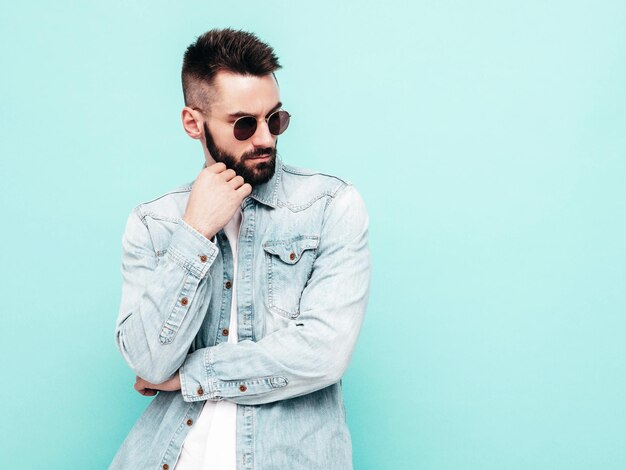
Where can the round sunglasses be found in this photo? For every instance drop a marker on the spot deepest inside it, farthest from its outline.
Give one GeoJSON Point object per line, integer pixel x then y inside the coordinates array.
{"type": "Point", "coordinates": [245, 126]}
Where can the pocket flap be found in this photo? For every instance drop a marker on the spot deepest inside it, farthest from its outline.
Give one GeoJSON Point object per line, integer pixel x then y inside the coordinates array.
{"type": "Point", "coordinates": [290, 251]}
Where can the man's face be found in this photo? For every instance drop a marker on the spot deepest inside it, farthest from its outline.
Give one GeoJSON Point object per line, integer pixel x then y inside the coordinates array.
{"type": "Point", "coordinates": [242, 95]}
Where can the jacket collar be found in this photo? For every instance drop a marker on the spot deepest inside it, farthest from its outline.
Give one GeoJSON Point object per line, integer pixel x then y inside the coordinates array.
{"type": "Point", "coordinates": [267, 193]}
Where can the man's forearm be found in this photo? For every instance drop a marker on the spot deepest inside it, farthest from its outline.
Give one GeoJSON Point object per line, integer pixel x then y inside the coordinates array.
{"type": "Point", "coordinates": [163, 301]}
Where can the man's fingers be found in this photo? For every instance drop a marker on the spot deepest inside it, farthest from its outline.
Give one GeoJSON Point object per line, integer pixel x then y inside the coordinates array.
{"type": "Point", "coordinates": [142, 387]}
{"type": "Point", "coordinates": [236, 182]}
{"type": "Point", "coordinates": [217, 167]}
{"type": "Point", "coordinates": [244, 190]}
{"type": "Point", "coordinates": [148, 392]}
{"type": "Point", "coordinates": [228, 174]}
{"type": "Point", "coordinates": [140, 384]}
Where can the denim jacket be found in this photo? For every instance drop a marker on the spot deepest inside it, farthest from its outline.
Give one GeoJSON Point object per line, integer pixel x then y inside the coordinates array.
{"type": "Point", "coordinates": [302, 290]}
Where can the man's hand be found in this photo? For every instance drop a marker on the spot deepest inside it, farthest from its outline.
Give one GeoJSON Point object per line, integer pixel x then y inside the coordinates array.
{"type": "Point", "coordinates": [215, 196]}
{"type": "Point", "coordinates": [149, 390]}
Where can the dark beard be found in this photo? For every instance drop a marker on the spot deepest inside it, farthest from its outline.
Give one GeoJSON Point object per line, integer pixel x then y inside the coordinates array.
{"type": "Point", "coordinates": [259, 173]}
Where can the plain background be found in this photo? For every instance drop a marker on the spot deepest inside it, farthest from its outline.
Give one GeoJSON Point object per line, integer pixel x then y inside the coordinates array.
{"type": "Point", "coordinates": [489, 142]}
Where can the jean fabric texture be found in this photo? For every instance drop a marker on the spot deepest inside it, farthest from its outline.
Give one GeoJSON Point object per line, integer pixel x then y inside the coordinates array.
{"type": "Point", "coordinates": [303, 284]}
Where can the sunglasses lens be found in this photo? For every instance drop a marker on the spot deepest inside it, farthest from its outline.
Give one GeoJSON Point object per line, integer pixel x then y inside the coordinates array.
{"type": "Point", "coordinates": [278, 122]}
{"type": "Point", "coordinates": [245, 128]}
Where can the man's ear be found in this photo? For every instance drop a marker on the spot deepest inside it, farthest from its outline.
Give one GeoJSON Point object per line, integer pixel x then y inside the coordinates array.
{"type": "Point", "coordinates": [192, 122]}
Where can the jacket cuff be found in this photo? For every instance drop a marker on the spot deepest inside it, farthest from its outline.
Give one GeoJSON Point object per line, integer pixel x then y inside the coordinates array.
{"type": "Point", "coordinates": [195, 384]}
{"type": "Point", "coordinates": [191, 250]}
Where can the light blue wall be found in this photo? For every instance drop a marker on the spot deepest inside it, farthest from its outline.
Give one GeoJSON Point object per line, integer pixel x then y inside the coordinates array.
{"type": "Point", "coordinates": [489, 141]}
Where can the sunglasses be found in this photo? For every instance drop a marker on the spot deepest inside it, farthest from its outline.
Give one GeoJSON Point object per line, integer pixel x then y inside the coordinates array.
{"type": "Point", "coordinates": [277, 123]}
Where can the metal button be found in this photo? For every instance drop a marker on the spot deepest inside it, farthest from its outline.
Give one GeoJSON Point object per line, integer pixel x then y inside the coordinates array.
{"type": "Point", "coordinates": [225, 332]}
{"type": "Point", "coordinates": [200, 391]}
{"type": "Point", "coordinates": [203, 258]}
{"type": "Point", "coordinates": [228, 284]}
{"type": "Point", "coordinates": [292, 256]}
{"type": "Point", "coordinates": [165, 466]}
{"type": "Point", "coordinates": [243, 388]}
{"type": "Point", "coordinates": [189, 422]}
{"type": "Point", "coordinates": [184, 301]}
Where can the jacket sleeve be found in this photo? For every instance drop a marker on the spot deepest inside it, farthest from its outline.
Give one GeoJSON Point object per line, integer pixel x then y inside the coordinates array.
{"type": "Point", "coordinates": [164, 298]}
{"type": "Point", "coordinates": [313, 352]}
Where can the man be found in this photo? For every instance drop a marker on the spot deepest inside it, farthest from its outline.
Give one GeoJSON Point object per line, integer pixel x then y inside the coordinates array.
{"type": "Point", "coordinates": [244, 292]}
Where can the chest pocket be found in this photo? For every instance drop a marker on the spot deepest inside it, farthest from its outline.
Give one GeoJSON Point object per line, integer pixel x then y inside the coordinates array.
{"type": "Point", "coordinates": [289, 263]}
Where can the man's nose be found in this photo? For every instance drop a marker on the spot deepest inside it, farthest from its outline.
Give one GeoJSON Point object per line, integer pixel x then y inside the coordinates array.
{"type": "Point", "coordinates": [263, 137]}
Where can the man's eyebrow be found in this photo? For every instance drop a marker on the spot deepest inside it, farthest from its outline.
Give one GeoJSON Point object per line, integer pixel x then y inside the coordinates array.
{"type": "Point", "coordinates": [239, 114]}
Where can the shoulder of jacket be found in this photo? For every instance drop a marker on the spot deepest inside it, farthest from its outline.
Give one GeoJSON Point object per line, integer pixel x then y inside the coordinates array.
{"type": "Point", "coordinates": [311, 181]}
{"type": "Point", "coordinates": [166, 206]}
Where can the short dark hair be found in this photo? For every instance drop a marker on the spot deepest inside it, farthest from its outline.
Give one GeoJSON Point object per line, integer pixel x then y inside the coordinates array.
{"type": "Point", "coordinates": [223, 49]}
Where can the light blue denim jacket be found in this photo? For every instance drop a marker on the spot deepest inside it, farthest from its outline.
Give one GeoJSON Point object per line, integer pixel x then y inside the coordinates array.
{"type": "Point", "coordinates": [302, 290]}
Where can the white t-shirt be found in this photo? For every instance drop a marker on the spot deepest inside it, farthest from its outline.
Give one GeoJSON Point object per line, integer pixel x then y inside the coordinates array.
{"type": "Point", "coordinates": [212, 441]}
